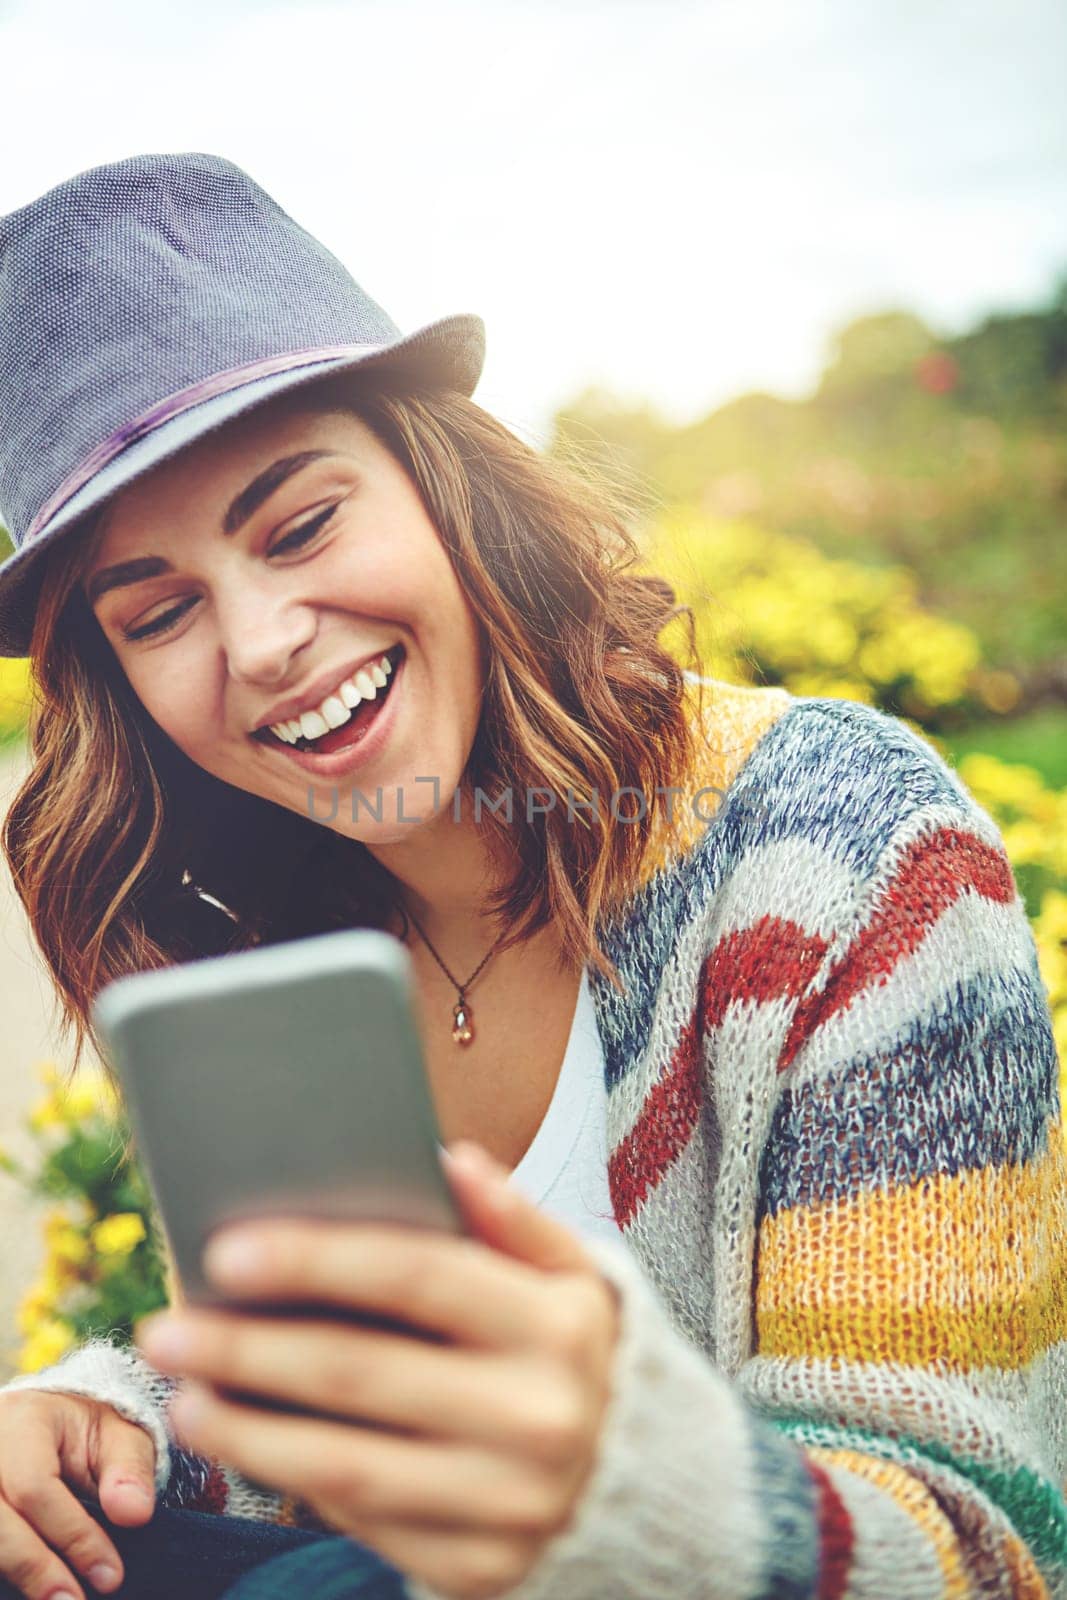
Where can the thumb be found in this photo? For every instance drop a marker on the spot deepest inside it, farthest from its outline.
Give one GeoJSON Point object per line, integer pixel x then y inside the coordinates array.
{"type": "Point", "coordinates": [502, 1217]}
{"type": "Point", "coordinates": [125, 1470]}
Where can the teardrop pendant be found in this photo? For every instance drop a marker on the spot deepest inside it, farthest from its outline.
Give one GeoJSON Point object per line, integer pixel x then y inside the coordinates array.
{"type": "Point", "coordinates": [462, 1024]}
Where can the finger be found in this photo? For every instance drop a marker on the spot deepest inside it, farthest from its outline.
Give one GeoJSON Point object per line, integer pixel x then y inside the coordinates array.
{"type": "Point", "coordinates": [373, 1473]}
{"type": "Point", "coordinates": [503, 1217]}
{"type": "Point", "coordinates": [460, 1560]}
{"type": "Point", "coordinates": [38, 1513]}
{"type": "Point", "coordinates": [445, 1284]}
{"type": "Point", "coordinates": [497, 1400]}
{"type": "Point", "coordinates": [28, 1564]}
{"type": "Point", "coordinates": [126, 1470]}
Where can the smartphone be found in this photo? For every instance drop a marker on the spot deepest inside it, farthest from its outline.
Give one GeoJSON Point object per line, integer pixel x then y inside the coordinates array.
{"type": "Point", "coordinates": [287, 1080]}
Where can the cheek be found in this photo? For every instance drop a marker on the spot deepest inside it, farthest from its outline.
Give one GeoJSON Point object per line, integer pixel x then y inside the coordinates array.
{"type": "Point", "coordinates": [451, 640]}
{"type": "Point", "coordinates": [180, 702]}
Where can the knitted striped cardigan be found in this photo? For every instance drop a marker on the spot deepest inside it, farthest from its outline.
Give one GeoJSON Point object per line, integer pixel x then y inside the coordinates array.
{"type": "Point", "coordinates": [837, 1163]}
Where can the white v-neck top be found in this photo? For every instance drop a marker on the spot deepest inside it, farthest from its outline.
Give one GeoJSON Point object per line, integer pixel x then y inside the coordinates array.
{"type": "Point", "coordinates": [565, 1169]}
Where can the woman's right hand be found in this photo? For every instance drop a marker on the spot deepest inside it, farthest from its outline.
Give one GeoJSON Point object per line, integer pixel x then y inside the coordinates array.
{"type": "Point", "coordinates": [47, 1442]}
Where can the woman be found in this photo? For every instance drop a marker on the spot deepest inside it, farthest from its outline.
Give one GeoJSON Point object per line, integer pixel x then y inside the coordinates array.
{"type": "Point", "coordinates": [764, 1290]}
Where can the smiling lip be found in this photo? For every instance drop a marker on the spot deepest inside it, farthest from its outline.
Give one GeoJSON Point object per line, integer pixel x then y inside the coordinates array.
{"type": "Point", "coordinates": [316, 692]}
{"type": "Point", "coordinates": [346, 760]}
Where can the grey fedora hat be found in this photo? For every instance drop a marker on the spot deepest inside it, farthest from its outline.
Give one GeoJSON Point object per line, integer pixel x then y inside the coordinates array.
{"type": "Point", "coordinates": [146, 302]}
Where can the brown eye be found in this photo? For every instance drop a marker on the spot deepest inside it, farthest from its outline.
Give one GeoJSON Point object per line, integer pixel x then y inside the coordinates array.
{"type": "Point", "coordinates": [159, 624]}
{"type": "Point", "coordinates": [306, 531]}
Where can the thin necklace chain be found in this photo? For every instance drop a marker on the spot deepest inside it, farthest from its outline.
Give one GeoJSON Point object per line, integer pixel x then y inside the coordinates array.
{"type": "Point", "coordinates": [462, 1015]}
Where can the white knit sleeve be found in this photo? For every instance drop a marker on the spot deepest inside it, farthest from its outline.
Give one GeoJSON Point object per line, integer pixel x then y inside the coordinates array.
{"type": "Point", "coordinates": [119, 1377]}
{"type": "Point", "coordinates": [658, 1517]}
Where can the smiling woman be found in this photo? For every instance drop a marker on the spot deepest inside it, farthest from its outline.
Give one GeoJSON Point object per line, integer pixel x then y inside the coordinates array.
{"type": "Point", "coordinates": [763, 1293]}
{"type": "Point", "coordinates": [215, 598]}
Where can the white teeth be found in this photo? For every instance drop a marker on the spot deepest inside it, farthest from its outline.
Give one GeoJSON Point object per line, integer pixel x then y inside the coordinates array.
{"type": "Point", "coordinates": [336, 709]}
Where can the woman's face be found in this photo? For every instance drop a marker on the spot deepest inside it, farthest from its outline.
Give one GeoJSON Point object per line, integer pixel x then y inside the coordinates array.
{"type": "Point", "coordinates": [272, 561]}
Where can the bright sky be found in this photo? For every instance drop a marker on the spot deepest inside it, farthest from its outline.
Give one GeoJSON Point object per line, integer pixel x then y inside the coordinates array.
{"type": "Point", "coordinates": [678, 201]}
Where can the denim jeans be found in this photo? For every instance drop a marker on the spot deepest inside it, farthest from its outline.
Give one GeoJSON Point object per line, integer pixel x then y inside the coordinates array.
{"type": "Point", "coordinates": [196, 1555]}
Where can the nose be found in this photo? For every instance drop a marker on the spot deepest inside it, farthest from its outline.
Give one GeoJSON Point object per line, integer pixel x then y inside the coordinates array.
{"type": "Point", "coordinates": [261, 632]}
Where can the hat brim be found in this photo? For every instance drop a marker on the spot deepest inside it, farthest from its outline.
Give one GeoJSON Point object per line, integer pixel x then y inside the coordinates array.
{"type": "Point", "coordinates": [449, 353]}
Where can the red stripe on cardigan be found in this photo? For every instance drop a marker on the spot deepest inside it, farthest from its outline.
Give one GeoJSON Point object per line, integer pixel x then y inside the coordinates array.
{"type": "Point", "coordinates": [215, 1494]}
{"type": "Point", "coordinates": [770, 959]}
{"type": "Point", "coordinates": [661, 1132]}
{"type": "Point", "coordinates": [836, 1538]}
{"type": "Point", "coordinates": [931, 875]}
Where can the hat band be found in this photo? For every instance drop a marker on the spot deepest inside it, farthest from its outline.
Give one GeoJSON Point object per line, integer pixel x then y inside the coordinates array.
{"type": "Point", "coordinates": [173, 406]}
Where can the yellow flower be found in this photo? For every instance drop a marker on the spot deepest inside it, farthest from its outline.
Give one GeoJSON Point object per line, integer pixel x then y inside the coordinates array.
{"type": "Point", "coordinates": [763, 600]}
{"type": "Point", "coordinates": [1052, 918]}
{"type": "Point", "coordinates": [1050, 932]}
{"type": "Point", "coordinates": [76, 1212]}
{"type": "Point", "coordinates": [47, 1113]}
{"type": "Point", "coordinates": [15, 693]}
{"type": "Point", "coordinates": [1000, 784]}
{"type": "Point", "coordinates": [64, 1274]}
{"type": "Point", "coordinates": [56, 1276]}
{"type": "Point", "coordinates": [830, 688]}
{"type": "Point", "coordinates": [67, 1103]}
{"type": "Point", "coordinates": [68, 1246]}
{"type": "Point", "coordinates": [117, 1235]}
{"type": "Point", "coordinates": [1025, 843]}
{"type": "Point", "coordinates": [35, 1305]}
{"type": "Point", "coordinates": [834, 640]}
{"type": "Point", "coordinates": [89, 1096]}
{"type": "Point", "coordinates": [56, 1218]}
{"type": "Point", "coordinates": [879, 660]}
{"type": "Point", "coordinates": [46, 1344]}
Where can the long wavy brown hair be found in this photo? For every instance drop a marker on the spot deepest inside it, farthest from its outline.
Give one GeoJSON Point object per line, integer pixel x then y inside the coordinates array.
{"type": "Point", "coordinates": [128, 856]}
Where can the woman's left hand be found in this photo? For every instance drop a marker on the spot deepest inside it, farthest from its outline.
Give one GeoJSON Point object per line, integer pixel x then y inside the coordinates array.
{"type": "Point", "coordinates": [457, 1461]}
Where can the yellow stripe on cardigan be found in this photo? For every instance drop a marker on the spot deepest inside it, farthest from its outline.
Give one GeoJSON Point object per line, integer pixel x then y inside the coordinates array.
{"type": "Point", "coordinates": [914, 1498]}
{"type": "Point", "coordinates": [950, 1270]}
{"type": "Point", "coordinates": [1026, 1581]}
{"type": "Point", "coordinates": [988, 1562]}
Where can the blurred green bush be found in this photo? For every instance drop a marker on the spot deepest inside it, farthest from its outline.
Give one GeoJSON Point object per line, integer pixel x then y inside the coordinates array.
{"type": "Point", "coordinates": [105, 1263]}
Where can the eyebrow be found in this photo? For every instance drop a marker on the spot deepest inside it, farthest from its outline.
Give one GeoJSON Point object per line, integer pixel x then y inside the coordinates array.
{"type": "Point", "coordinates": [243, 506]}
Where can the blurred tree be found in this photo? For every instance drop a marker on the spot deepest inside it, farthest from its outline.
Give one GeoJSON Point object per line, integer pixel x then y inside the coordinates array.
{"type": "Point", "coordinates": [947, 454]}
{"type": "Point", "coordinates": [883, 346]}
{"type": "Point", "coordinates": [1013, 367]}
